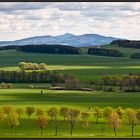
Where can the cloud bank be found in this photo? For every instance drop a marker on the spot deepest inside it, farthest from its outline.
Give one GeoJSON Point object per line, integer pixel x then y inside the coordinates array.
{"type": "Point", "coordinates": [21, 20]}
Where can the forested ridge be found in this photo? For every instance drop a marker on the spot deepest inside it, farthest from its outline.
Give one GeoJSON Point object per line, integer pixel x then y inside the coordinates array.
{"type": "Point", "coordinates": [127, 43]}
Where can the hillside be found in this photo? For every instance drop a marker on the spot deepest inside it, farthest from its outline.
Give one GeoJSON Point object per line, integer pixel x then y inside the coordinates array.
{"type": "Point", "coordinates": [84, 66]}
{"type": "Point", "coordinates": [66, 39]}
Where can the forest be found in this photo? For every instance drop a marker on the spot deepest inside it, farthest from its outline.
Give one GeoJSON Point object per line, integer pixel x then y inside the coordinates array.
{"type": "Point", "coordinates": [105, 52]}
{"type": "Point", "coordinates": [53, 49]}
{"type": "Point", "coordinates": [126, 43]}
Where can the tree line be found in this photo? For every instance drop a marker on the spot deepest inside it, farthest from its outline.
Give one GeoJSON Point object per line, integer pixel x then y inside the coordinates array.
{"type": "Point", "coordinates": [127, 43]}
{"type": "Point", "coordinates": [32, 77]}
{"type": "Point", "coordinates": [113, 117]}
{"type": "Point", "coordinates": [53, 49]}
{"type": "Point", "coordinates": [126, 83]}
{"type": "Point", "coordinates": [9, 47]}
{"type": "Point", "coordinates": [105, 52]}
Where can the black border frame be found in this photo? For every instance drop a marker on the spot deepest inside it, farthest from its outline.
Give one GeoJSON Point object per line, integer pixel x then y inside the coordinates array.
{"type": "Point", "coordinates": [69, 0]}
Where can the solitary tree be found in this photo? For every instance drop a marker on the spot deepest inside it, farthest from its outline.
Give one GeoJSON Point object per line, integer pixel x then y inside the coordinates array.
{"type": "Point", "coordinates": [30, 110]}
{"type": "Point", "coordinates": [73, 116]}
{"type": "Point", "coordinates": [19, 111]}
{"type": "Point", "coordinates": [97, 113]}
{"type": "Point", "coordinates": [85, 116]}
{"type": "Point", "coordinates": [7, 109]}
{"type": "Point", "coordinates": [114, 121]}
{"type": "Point", "coordinates": [64, 112]}
{"type": "Point", "coordinates": [13, 120]}
{"type": "Point", "coordinates": [132, 119]}
{"type": "Point", "coordinates": [53, 113]}
{"type": "Point", "coordinates": [42, 122]}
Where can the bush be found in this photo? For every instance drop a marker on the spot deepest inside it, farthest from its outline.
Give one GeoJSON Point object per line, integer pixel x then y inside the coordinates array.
{"type": "Point", "coordinates": [32, 66]}
{"type": "Point", "coordinates": [6, 85]}
{"type": "Point", "coordinates": [72, 83]}
{"type": "Point", "coordinates": [98, 87]}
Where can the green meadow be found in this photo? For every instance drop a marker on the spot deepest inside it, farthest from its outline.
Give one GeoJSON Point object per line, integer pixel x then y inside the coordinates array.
{"type": "Point", "coordinates": [74, 99]}
{"type": "Point", "coordinates": [85, 67]}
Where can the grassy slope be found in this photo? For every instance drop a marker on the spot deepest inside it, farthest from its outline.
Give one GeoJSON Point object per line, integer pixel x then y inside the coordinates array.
{"type": "Point", "coordinates": [81, 99]}
{"type": "Point", "coordinates": [86, 67]}
{"type": "Point", "coordinates": [75, 99]}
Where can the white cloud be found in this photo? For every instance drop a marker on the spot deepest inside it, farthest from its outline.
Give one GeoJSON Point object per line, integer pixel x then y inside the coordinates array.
{"type": "Point", "coordinates": [20, 20]}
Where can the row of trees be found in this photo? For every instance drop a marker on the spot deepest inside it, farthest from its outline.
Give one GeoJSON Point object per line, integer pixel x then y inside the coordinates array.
{"type": "Point", "coordinates": [128, 83]}
{"type": "Point", "coordinates": [32, 77]}
{"type": "Point", "coordinates": [53, 49]}
{"type": "Point", "coordinates": [105, 52]}
{"type": "Point", "coordinates": [32, 66]}
{"type": "Point", "coordinates": [113, 117]}
{"type": "Point", "coordinates": [127, 43]}
{"type": "Point", "coordinates": [10, 47]}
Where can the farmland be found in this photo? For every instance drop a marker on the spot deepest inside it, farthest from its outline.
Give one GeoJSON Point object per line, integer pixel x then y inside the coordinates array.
{"type": "Point", "coordinates": [85, 67]}
{"type": "Point", "coordinates": [74, 99]}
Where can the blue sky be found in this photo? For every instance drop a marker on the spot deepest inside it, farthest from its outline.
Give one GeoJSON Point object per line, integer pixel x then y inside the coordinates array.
{"type": "Point", "coordinates": [22, 20]}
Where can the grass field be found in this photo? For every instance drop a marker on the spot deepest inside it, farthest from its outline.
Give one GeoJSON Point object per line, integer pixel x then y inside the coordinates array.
{"type": "Point", "coordinates": [73, 99]}
{"type": "Point", "coordinates": [85, 67]}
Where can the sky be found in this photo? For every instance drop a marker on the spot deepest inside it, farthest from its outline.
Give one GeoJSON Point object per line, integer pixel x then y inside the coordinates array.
{"type": "Point", "coordinates": [22, 20]}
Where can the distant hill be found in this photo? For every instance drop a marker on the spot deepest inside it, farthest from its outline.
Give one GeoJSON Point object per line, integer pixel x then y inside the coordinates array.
{"type": "Point", "coordinates": [66, 39]}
